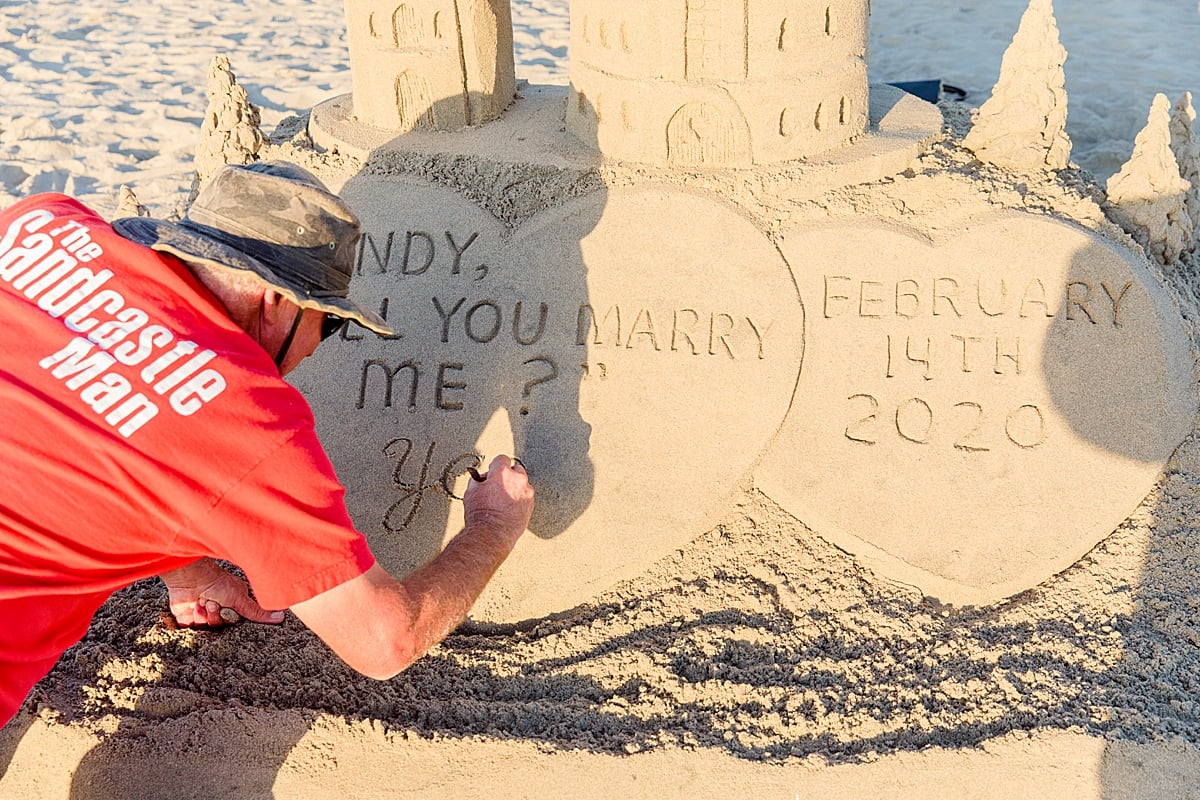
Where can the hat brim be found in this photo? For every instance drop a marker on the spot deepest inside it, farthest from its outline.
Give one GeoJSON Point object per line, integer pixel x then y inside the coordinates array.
{"type": "Point", "coordinates": [191, 245]}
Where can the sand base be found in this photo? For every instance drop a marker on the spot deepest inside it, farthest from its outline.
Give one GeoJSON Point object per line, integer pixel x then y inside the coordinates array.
{"type": "Point", "coordinates": [532, 132]}
{"type": "Point", "coordinates": [244, 756]}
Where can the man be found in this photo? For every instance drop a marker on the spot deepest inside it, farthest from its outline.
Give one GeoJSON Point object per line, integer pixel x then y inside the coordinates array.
{"type": "Point", "coordinates": [147, 430]}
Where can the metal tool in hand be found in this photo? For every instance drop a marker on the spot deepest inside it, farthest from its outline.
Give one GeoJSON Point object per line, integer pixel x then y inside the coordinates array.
{"type": "Point", "coordinates": [476, 476]}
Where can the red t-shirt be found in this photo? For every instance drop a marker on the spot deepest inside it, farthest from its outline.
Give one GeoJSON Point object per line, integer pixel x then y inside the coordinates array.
{"type": "Point", "coordinates": [141, 430]}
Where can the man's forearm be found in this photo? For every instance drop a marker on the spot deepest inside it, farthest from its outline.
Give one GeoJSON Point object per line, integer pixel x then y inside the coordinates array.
{"type": "Point", "coordinates": [442, 592]}
{"type": "Point", "coordinates": [379, 625]}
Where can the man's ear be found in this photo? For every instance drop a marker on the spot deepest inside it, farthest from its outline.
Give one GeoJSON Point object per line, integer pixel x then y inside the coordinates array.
{"type": "Point", "coordinates": [274, 307]}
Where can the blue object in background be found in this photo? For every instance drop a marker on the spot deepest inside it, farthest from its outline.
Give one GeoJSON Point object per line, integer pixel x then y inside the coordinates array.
{"type": "Point", "coordinates": [930, 91]}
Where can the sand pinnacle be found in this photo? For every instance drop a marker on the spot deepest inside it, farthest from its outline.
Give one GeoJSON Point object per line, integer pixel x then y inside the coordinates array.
{"type": "Point", "coordinates": [1148, 196]}
{"type": "Point", "coordinates": [1023, 124]}
{"type": "Point", "coordinates": [230, 132]}
{"type": "Point", "coordinates": [1187, 155]}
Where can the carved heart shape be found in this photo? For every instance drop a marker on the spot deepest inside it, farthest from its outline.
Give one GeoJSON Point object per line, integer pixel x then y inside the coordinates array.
{"type": "Point", "coordinates": [642, 343]}
{"type": "Point", "coordinates": [975, 416]}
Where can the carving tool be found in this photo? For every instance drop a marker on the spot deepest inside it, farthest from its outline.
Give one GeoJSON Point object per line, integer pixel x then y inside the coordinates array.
{"type": "Point", "coordinates": [481, 478]}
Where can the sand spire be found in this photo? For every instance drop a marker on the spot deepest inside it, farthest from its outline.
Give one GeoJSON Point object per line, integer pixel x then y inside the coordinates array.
{"type": "Point", "coordinates": [230, 132]}
{"type": "Point", "coordinates": [1148, 196]}
{"type": "Point", "coordinates": [1023, 124]}
{"type": "Point", "coordinates": [128, 205]}
{"type": "Point", "coordinates": [1187, 155]}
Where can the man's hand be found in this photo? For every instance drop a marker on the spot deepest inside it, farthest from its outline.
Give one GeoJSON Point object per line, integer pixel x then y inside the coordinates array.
{"type": "Point", "coordinates": [204, 594]}
{"type": "Point", "coordinates": [502, 502]}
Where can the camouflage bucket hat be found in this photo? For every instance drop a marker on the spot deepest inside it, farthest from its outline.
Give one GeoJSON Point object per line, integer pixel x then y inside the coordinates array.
{"type": "Point", "coordinates": [275, 221]}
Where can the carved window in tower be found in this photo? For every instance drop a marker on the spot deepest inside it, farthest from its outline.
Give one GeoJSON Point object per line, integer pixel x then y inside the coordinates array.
{"type": "Point", "coordinates": [715, 46]}
{"type": "Point", "coordinates": [789, 123]}
{"type": "Point", "coordinates": [702, 42]}
{"type": "Point", "coordinates": [614, 36]}
{"type": "Point", "coordinates": [700, 135]}
{"type": "Point", "coordinates": [413, 102]}
{"type": "Point", "coordinates": [407, 29]}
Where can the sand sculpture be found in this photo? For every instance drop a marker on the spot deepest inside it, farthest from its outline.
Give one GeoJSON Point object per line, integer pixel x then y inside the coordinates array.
{"type": "Point", "coordinates": [617, 281]}
{"type": "Point", "coordinates": [982, 408]}
{"type": "Point", "coordinates": [1148, 197]}
{"type": "Point", "coordinates": [230, 132]}
{"type": "Point", "coordinates": [717, 84]}
{"type": "Point", "coordinates": [433, 65]}
{"type": "Point", "coordinates": [1186, 148]}
{"type": "Point", "coordinates": [681, 82]}
{"type": "Point", "coordinates": [677, 83]}
{"type": "Point", "coordinates": [570, 343]}
{"type": "Point", "coordinates": [128, 204]}
{"type": "Point", "coordinates": [1023, 124]}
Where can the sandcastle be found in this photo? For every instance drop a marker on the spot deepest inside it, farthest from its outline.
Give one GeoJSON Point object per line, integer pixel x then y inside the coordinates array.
{"type": "Point", "coordinates": [707, 83]}
{"type": "Point", "coordinates": [641, 285]}
{"type": "Point", "coordinates": [439, 65]}
{"type": "Point", "coordinates": [676, 85]}
{"type": "Point", "coordinates": [673, 82]}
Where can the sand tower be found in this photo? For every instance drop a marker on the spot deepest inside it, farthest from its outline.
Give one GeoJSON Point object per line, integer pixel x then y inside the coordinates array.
{"type": "Point", "coordinates": [717, 83]}
{"type": "Point", "coordinates": [669, 84]}
{"type": "Point", "coordinates": [434, 64]}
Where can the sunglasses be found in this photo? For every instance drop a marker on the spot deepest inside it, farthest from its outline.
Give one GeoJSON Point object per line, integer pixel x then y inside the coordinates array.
{"type": "Point", "coordinates": [330, 325]}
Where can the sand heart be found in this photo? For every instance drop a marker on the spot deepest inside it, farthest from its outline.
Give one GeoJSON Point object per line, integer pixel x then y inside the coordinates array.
{"type": "Point", "coordinates": [642, 344]}
{"type": "Point", "coordinates": [975, 415]}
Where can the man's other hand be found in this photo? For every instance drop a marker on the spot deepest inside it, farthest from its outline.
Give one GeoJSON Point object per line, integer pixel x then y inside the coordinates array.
{"type": "Point", "coordinates": [201, 591]}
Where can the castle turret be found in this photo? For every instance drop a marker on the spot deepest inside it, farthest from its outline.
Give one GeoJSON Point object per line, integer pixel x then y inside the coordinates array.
{"type": "Point", "coordinates": [433, 64]}
{"type": "Point", "coordinates": [717, 83]}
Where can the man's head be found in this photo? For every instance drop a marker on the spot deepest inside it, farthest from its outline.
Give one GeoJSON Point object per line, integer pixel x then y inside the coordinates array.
{"type": "Point", "coordinates": [276, 224]}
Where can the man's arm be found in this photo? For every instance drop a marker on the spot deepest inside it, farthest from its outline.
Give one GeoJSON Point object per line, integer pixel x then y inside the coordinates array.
{"type": "Point", "coordinates": [379, 625]}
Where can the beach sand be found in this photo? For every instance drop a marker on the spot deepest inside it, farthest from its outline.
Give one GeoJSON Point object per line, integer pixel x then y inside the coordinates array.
{"type": "Point", "coordinates": [758, 661]}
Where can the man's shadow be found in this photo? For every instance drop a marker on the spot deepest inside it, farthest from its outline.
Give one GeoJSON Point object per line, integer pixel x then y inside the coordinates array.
{"type": "Point", "coordinates": [1152, 724]}
{"type": "Point", "coordinates": [493, 322]}
{"type": "Point", "coordinates": [10, 738]}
